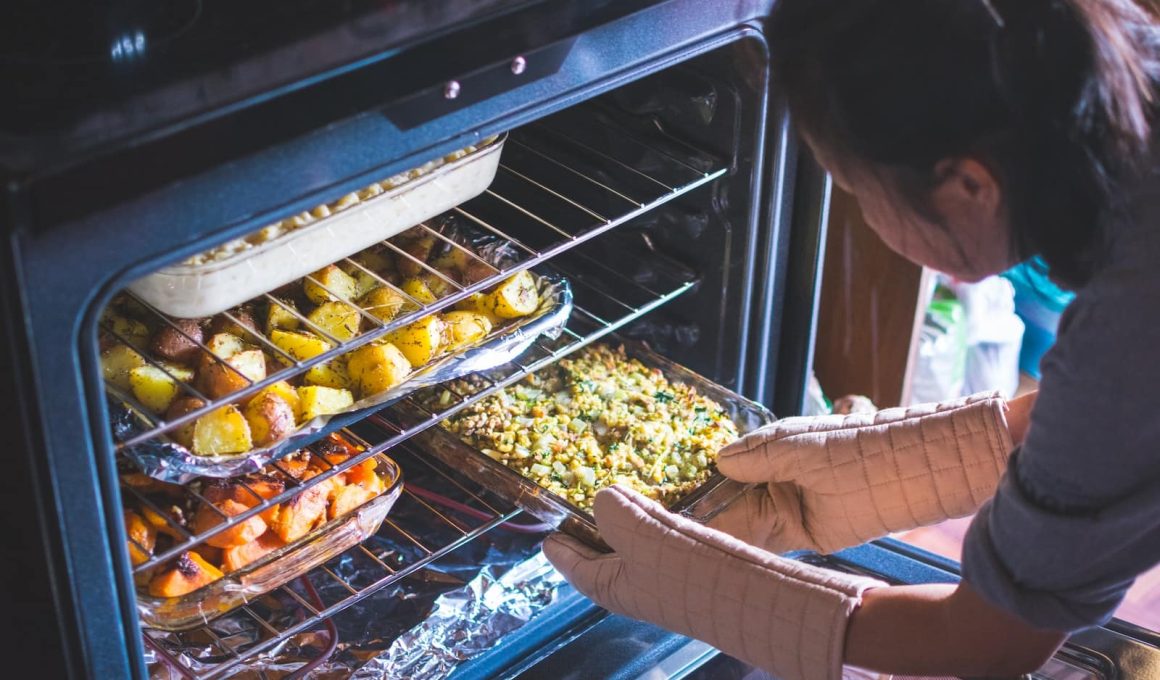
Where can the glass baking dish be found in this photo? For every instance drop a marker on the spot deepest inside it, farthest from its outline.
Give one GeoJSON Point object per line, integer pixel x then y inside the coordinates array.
{"type": "Point", "coordinates": [195, 290]}
{"type": "Point", "coordinates": [276, 568]}
{"type": "Point", "coordinates": [700, 504]}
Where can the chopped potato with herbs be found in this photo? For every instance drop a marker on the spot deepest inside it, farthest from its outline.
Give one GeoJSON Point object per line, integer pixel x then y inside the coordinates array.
{"type": "Point", "coordinates": [598, 419]}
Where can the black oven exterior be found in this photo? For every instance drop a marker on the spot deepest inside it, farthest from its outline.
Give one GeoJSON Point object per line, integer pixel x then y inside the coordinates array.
{"type": "Point", "coordinates": [81, 222]}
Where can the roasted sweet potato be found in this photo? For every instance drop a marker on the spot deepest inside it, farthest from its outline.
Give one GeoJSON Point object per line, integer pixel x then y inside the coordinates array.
{"type": "Point", "coordinates": [189, 572]}
{"type": "Point", "coordinates": [161, 525]}
{"type": "Point", "coordinates": [293, 465]}
{"type": "Point", "coordinates": [183, 435]}
{"type": "Point", "coordinates": [179, 344]}
{"type": "Point", "coordinates": [348, 498]}
{"type": "Point", "coordinates": [300, 514]}
{"type": "Point", "coordinates": [365, 475]}
{"type": "Point", "coordinates": [239, 556]}
{"type": "Point", "coordinates": [270, 418]}
{"type": "Point", "coordinates": [142, 537]}
{"type": "Point", "coordinates": [146, 484]}
{"type": "Point", "coordinates": [206, 518]}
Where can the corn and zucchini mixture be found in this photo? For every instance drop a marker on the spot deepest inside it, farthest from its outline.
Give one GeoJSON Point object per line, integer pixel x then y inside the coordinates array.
{"type": "Point", "coordinates": [599, 419]}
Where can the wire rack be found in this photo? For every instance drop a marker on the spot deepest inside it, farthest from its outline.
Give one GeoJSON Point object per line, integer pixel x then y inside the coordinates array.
{"type": "Point", "coordinates": [553, 191]}
{"type": "Point", "coordinates": [588, 182]}
{"type": "Point", "coordinates": [397, 425]}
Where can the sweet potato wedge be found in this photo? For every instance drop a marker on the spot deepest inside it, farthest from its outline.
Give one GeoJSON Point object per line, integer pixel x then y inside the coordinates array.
{"type": "Point", "coordinates": [348, 498]}
{"type": "Point", "coordinates": [239, 556]}
{"type": "Point", "coordinates": [142, 537]}
{"type": "Point", "coordinates": [206, 518]}
{"type": "Point", "coordinates": [189, 572]}
{"type": "Point", "coordinates": [300, 514]}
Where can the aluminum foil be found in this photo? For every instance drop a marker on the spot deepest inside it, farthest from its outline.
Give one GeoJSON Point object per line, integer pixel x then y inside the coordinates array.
{"type": "Point", "coordinates": [171, 462]}
{"type": "Point", "coordinates": [422, 626]}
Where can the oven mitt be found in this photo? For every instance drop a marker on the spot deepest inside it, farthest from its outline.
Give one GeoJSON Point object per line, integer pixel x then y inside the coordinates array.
{"type": "Point", "coordinates": [785, 617]}
{"type": "Point", "coordinates": [831, 482]}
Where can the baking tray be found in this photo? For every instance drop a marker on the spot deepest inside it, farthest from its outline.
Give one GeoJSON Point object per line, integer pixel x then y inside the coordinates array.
{"type": "Point", "coordinates": [197, 290]}
{"type": "Point", "coordinates": [169, 461]}
{"type": "Point", "coordinates": [277, 568]}
{"type": "Point", "coordinates": [700, 505]}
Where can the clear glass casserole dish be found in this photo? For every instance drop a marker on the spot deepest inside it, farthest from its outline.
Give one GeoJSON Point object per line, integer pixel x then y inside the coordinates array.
{"type": "Point", "coordinates": [700, 503]}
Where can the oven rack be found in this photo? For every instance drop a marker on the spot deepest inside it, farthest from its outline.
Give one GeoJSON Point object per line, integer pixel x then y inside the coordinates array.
{"type": "Point", "coordinates": [396, 552]}
{"type": "Point", "coordinates": [606, 300]}
{"type": "Point", "coordinates": [587, 186]}
{"type": "Point", "coordinates": [399, 424]}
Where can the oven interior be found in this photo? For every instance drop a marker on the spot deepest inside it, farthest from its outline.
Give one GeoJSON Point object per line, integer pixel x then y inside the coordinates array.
{"type": "Point", "coordinates": [648, 200]}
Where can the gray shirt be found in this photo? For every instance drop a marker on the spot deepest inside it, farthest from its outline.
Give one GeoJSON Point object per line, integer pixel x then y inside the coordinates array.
{"type": "Point", "coordinates": [1077, 516]}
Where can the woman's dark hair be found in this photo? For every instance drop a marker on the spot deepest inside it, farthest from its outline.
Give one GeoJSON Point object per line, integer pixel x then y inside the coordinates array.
{"type": "Point", "coordinates": [1055, 96]}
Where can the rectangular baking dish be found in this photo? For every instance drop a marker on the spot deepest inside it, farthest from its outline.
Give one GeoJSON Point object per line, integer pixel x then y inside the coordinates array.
{"type": "Point", "coordinates": [196, 290]}
{"type": "Point", "coordinates": [701, 504]}
{"type": "Point", "coordinates": [278, 567]}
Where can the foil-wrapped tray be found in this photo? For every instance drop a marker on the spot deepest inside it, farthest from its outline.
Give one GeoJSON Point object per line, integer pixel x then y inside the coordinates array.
{"type": "Point", "coordinates": [701, 504]}
{"type": "Point", "coordinates": [191, 290]}
{"type": "Point", "coordinates": [276, 568]}
{"type": "Point", "coordinates": [171, 462]}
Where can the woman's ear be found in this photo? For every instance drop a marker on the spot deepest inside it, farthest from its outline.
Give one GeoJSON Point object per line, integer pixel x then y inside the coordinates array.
{"type": "Point", "coordinates": [967, 194]}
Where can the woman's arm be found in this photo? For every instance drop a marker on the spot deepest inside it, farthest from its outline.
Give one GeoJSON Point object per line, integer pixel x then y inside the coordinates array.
{"type": "Point", "coordinates": [1019, 416]}
{"type": "Point", "coordinates": [943, 630]}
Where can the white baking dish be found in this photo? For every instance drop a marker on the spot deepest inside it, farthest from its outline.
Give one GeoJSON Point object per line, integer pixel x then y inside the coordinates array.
{"type": "Point", "coordinates": [195, 290]}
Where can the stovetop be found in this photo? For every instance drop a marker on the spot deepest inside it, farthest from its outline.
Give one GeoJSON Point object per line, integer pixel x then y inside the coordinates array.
{"type": "Point", "coordinates": [79, 74]}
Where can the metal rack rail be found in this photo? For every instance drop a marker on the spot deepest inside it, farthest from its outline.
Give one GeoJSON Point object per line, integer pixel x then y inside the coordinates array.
{"type": "Point", "coordinates": [551, 194]}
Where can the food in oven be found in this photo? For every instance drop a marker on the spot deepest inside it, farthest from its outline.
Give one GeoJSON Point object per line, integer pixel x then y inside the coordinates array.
{"type": "Point", "coordinates": [597, 419]}
{"type": "Point", "coordinates": [227, 275]}
{"type": "Point", "coordinates": [157, 360]}
{"type": "Point", "coordinates": [159, 516]}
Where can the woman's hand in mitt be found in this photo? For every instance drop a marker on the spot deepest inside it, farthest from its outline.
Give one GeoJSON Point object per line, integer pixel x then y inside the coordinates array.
{"type": "Point", "coordinates": [786, 617]}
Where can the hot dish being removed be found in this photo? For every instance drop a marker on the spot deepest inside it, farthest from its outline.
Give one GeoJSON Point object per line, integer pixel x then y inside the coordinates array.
{"type": "Point", "coordinates": [597, 419]}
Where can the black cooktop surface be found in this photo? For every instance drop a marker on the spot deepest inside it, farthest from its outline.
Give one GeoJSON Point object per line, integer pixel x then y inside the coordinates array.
{"type": "Point", "coordinates": [78, 74]}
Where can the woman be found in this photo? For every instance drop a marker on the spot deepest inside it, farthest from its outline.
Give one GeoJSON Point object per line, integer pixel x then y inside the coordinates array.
{"type": "Point", "coordinates": [974, 134]}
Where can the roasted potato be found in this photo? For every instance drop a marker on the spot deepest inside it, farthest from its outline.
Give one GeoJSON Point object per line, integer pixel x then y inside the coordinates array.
{"type": "Point", "coordinates": [179, 344]}
{"type": "Point", "coordinates": [316, 401]}
{"type": "Point", "coordinates": [340, 320]}
{"type": "Point", "coordinates": [301, 346]}
{"type": "Point", "coordinates": [134, 332]}
{"type": "Point", "coordinates": [283, 390]}
{"type": "Point", "coordinates": [419, 247]}
{"type": "Point", "coordinates": [377, 367]}
{"type": "Point", "coordinates": [420, 341]}
{"type": "Point", "coordinates": [515, 297]}
{"type": "Point", "coordinates": [238, 372]}
{"type": "Point", "coordinates": [330, 283]}
{"type": "Point", "coordinates": [376, 260]}
{"type": "Point", "coordinates": [463, 328]}
{"type": "Point", "coordinates": [478, 303]}
{"type": "Point", "coordinates": [183, 435]}
{"type": "Point", "coordinates": [117, 364]}
{"type": "Point", "coordinates": [438, 286]}
{"type": "Point", "coordinates": [270, 418]}
{"type": "Point", "coordinates": [245, 327]}
{"type": "Point", "coordinates": [153, 387]}
{"type": "Point", "coordinates": [279, 316]}
{"type": "Point", "coordinates": [418, 291]}
{"type": "Point", "coordinates": [222, 432]}
{"type": "Point", "coordinates": [221, 345]}
{"type": "Point", "coordinates": [382, 303]}
{"type": "Point", "coordinates": [330, 374]}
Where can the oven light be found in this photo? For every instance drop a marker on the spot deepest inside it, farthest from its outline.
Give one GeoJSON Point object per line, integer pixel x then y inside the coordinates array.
{"type": "Point", "coordinates": [128, 46]}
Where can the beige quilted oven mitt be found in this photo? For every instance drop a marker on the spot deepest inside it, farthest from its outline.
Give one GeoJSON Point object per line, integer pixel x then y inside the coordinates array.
{"type": "Point", "coordinates": [831, 482]}
{"type": "Point", "coordinates": [785, 617]}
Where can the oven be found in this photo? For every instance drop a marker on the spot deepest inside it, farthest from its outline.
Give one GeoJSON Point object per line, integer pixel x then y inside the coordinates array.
{"type": "Point", "coordinates": [644, 160]}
